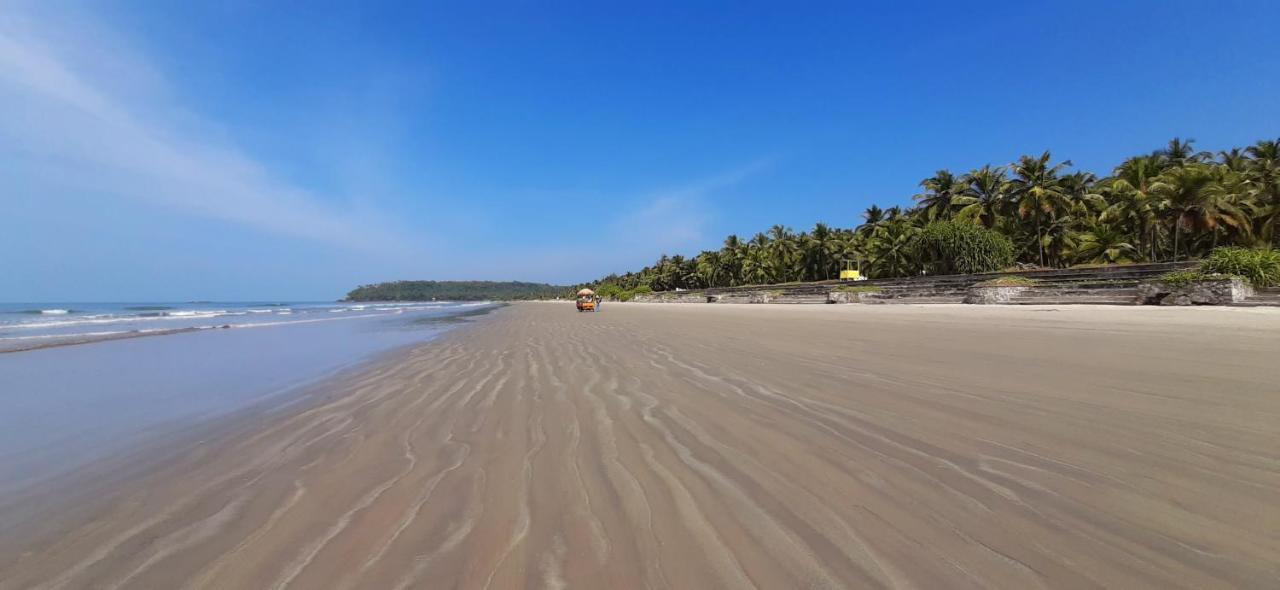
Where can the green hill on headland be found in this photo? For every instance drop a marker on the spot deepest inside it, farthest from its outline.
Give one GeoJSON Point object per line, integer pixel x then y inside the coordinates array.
{"type": "Point", "coordinates": [456, 291]}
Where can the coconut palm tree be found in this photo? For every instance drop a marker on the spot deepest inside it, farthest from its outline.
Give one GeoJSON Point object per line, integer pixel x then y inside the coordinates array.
{"type": "Point", "coordinates": [986, 195]}
{"type": "Point", "coordinates": [731, 255]}
{"type": "Point", "coordinates": [870, 219]}
{"type": "Point", "coordinates": [820, 252]}
{"type": "Point", "coordinates": [1188, 193]}
{"type": "Point", "coordinates": [1131, 202]}
{"type": "Point", "coordinates": [757, 267]}
{"type": "Point", "coordinates": [1181, 153]}
{"type": "Point", "coordinates": [1103, 244]}
{"type": "Point", "coordinates": [1235, 159]}
{"type": "Point", "coordinates": [942, 194]}
{"type": "Point", "coordinates": [1036, 189]}
{"type": "Point", "coordinates": [711, 268]}
{"type": "Point", "coordinates": [785, 252]}
{"type": "Point", "coordinates": [892, 249]}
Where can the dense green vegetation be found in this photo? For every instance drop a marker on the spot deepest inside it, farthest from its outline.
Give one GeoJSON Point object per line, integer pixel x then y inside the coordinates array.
{"type": "Point", "coordinates": [1260, 267]}
{"type": "Point", "coordinates": [457, 291]}
{"type": "Point", "coordinates": [1175, 203]}
{"type": "Point", "coordinates": [958, 247]}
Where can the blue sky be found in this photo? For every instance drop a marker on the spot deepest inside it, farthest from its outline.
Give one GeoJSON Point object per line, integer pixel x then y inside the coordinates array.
{"type": "Point", "coordinates": [235, 150]}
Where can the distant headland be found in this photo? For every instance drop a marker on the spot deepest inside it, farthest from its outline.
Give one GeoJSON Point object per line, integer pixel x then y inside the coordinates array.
{"type": "Point", "coordinates": [456, 291]}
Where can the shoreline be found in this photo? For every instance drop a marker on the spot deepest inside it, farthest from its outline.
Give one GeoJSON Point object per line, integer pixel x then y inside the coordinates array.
{"type": "Point", "coordinates": [63, 492]}
{"type": "Point", "coordinates": [150, 451]}
{"type": "Point", "coordinates": [659, 445]}
{"type": "Point", "coordinates": [56, 341]}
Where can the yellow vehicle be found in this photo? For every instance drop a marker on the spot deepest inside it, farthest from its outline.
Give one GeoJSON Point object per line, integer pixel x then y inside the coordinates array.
{"type": "Point", "coordinates": [849, 274]}
{"type": "Point", "coordinates": [587, 301]}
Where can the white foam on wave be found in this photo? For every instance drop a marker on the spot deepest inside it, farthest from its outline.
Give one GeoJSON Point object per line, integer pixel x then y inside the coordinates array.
{"type": "Point", "coordinates": [114, 319]}
{"type": "Point", "coordinates": [55, 311]}
{"type": "Point", "coordinates": [76, 335]}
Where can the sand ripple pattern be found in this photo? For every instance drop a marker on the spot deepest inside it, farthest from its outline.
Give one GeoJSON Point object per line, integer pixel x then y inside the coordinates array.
{"type": "Point", "coordinates": [667, 447]}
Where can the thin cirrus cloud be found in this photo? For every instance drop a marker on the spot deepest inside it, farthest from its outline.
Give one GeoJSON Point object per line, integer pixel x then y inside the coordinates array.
{"type": "Point", "coordinates": [68, 122]}
{"type": "Point", "coordinates": [86, 112]}
{"type": "Point", "coordinates": [668, 221]}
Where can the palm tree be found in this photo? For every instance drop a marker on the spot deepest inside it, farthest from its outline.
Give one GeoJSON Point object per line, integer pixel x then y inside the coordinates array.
{"type": "Point", "coordinates": [1264, 172]}
{"type": "Point", "coordinates": [820, 248]}
{"type": "Point", "coordinates": [942, 193]}
{"type": "Point", "coordinates": [731, 255]}
{"type": "Point", "coordinates": [711, 268]}
{"type": "Point", "coordinates": [784, 251]}
{"type": "Point", "coordinates": [893, 249]}
{"type": "Point", "coordinates": [1235, 159]}
{"type": "Point", "coordinates": [1036, 189]}
{"type": "Point", "coordinates": [870, 219]}
{"type": "Point", "coordinates": [1180, 153]}
{"type": "Point", "coordinates": [1228, 204]}
{"type": "Point", "coordinates": [757, 267]}
{"type": "Point", "coordinates": [1103, 244]}
{"type": "Point", "coordinates": [1265, 153]}
{"type": "Point", "coordinates": [1132, 202]}
{"type": "Point", "coordinates": [985, 191]}
{"type": "Point", "coordinates": [1187, 193]}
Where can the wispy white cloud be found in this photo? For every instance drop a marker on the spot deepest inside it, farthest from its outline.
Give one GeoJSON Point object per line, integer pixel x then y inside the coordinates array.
{"type": "Point", "coordinates": [677, 217]}
{"type": "Point", "coordinates": [671, 220]}
{"type": "Point", "coordinates": [84, 111]}
{"type": "Point", "coordinates": [87, 112]}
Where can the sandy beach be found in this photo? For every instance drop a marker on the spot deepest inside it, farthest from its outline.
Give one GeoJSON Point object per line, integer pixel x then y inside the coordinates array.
{"type": "Point", "coordinates": [722, 446]}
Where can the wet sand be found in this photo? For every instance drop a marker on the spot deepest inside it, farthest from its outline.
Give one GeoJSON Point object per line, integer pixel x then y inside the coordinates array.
{"type": "Point", "coordinates": [717, 446]}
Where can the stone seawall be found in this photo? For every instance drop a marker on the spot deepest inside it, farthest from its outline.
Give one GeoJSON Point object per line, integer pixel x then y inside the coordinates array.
{"type": "Point", "coordinates": [1137, 284]}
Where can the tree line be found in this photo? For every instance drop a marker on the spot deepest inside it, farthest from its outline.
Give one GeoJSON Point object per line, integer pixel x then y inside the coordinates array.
{"type": "Point", "coordinates": [1175, 203]}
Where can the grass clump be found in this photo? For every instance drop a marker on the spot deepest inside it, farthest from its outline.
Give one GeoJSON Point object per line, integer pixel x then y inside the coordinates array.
{"type": "Point", "coordinates": [1010, 281]}
{"type": "Point", "coordinates": [857, 289]}
{"type": "Point", "coordinates": [1182, 278]}
{"type": "Point", "coordinates": [1261, 266]}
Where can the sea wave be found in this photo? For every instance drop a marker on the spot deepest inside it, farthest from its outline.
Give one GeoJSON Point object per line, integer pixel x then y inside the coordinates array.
{"type": "Point", "coordinates": [71, 323]}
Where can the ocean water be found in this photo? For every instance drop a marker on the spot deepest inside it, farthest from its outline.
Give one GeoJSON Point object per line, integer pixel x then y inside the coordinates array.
{"type": "Point", "coordinates": [64, 406]}
{"type": "Point", "coordinates": [26, 325]}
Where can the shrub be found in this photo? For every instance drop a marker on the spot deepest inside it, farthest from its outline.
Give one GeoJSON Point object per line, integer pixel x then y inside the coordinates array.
{"type": "Point", "coordinates": [1182, 278]}
{"type": "Point", "coordinates": [951, 247]}
{"type": "Point", "coordinates": [1011, 281]}
{"type": "Point", "coordinates": [609, 291]}
{"type": "Point", "coordinates": [1260, 266]}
